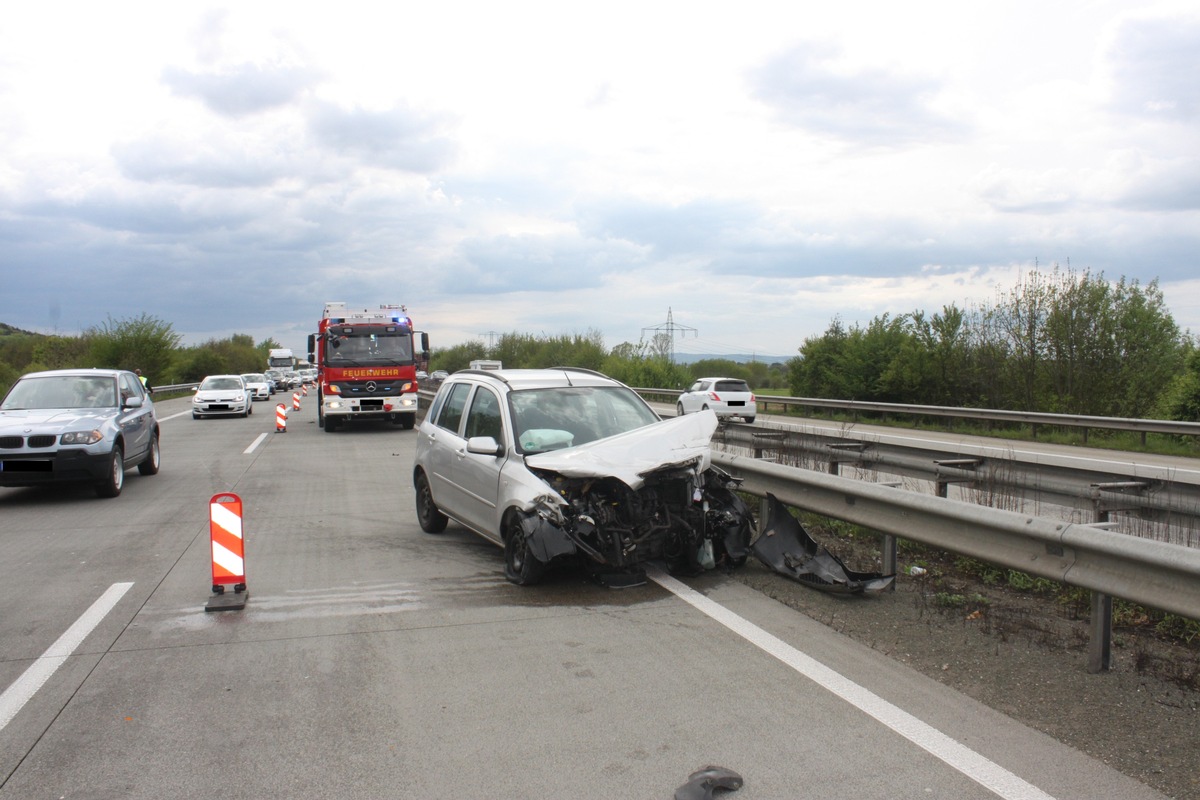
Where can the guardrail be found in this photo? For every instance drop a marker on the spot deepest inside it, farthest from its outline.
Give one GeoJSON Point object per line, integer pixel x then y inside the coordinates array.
{"type": "Point", "coordinates": [177, 387]}
{"type": "Point", "coordinates": [1155, 574]}
{"type": "Point", "coordinates": [985, 415]}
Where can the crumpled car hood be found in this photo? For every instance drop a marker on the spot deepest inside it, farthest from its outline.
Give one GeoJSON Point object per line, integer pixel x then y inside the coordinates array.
{"type": "Point", "coordinates": [52, 420]}
{"type": "Point", "coordinates": [629, 457]}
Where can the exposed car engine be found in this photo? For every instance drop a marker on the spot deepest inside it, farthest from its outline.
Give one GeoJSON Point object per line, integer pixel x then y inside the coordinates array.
{"type": "Point", "coordinates": [689, 522]}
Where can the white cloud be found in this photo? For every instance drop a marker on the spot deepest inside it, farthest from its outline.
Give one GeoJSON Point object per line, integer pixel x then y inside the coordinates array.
{"type": "Point", "coordinates": [558, 168]}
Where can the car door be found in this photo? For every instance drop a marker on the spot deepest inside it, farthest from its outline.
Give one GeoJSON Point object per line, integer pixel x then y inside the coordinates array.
{"type": "Point", "coordinates": [444, 441]}
{"type": "Point", "coordinates": [478, 474]}
{"type": "Point", "coordinates": [137, 424]}
{"type": "Point", "coordinates": [692, 400]}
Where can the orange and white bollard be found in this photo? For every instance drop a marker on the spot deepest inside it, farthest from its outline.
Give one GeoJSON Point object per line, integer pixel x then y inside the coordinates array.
{"type": "Point", "coordinates": [304, 389]}
{"type": "Point", "coordinates": [295, 401]}
{"type": "Point", "coordinates": [228, 552]}
{"type": "Point", "coordinates": [281, 418]}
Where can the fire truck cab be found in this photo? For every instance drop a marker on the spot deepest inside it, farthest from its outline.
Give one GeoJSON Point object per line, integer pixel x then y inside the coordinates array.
{"type": "Point", "coordinates": [366, 364]}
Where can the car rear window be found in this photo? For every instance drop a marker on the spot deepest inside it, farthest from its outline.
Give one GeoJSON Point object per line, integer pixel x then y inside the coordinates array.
{"type": "Point", "coordinates": [732, 386]}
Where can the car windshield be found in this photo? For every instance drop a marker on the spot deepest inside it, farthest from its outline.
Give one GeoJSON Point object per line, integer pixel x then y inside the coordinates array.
{"type": "Point", "coordinates": [220, 384]}
{"type": "Point", "coordinates": [62, 391]}
{"type": "Point", "coordinates": [370, 347]}
{"type": "Point", "coordinates": [252, 378]}
{"type": "Point", "coordinates": [567, 416]}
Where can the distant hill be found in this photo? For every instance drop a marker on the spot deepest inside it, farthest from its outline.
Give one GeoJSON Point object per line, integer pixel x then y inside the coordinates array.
{"type": "Point", "coordinates": [738, 358]}
{"type": "Point", "coordinates": [9, 330]}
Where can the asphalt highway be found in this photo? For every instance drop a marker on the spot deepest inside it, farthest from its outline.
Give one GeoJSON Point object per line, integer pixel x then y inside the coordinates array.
{"type": "Point", "coordinates": [373, 660]}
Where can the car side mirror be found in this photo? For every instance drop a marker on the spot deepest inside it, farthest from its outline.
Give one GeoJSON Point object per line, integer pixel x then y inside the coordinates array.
{"type": "Point", "coordinates": [484, 446]}
{"type": "Point", "coordinates": [133, 402]}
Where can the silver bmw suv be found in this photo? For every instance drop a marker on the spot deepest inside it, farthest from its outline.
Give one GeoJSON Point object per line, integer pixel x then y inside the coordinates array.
{"type": "Point", "coordinates": [85, 425]}
{"type": "Point", "coordinates": [567, 465]}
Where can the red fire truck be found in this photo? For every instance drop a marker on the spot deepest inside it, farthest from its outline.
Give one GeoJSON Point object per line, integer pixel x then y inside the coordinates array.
{"type": "Point", "coordinates": [366, 365]}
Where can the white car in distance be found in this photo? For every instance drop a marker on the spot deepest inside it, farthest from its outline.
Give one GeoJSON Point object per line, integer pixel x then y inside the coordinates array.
{"type": "Point", "coordinates": [727, 397]}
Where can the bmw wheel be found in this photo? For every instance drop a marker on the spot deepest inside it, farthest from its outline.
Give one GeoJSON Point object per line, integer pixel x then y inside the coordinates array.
{"type": "Point", "coordinates": [111, 485]}
{"type": "Point", "coordinates": [150, 465]}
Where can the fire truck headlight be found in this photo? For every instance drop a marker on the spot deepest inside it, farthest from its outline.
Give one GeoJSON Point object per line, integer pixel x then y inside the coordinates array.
{"type": "Point", "coordinates": [335, 404]}
{"type": "Point", "coordinates": [408, 402]}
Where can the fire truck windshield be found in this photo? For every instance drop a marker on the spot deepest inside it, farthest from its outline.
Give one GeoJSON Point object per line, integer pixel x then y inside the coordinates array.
{"type": "Point", "coordinates": [370, 349]}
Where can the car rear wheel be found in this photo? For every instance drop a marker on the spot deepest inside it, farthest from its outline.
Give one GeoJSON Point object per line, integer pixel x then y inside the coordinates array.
{"type": "Point", "coordinates": [428, 514]}
{"type": "Point", "coordinates": [150, 465]}
{"type": "Point", "coordinates": [749, 420]}
{"type": "Point", "coordinates": [520, 567]}
{"type": "Point", "coordinates": [111, 485]}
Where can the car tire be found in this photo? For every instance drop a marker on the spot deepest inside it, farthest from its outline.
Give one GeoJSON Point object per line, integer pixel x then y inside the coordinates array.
{"type": "Point", "coordinates": [748, 420]}
{"type": "Point", "coordinates": [197, 416]}
{"type": "Point", "coordinates": [112, 482]}
{"type": "Point", "coordinates": [520, 567]}
{"type": "Point", "coordinates": [430, 517]}
{"type": "Point", "coordinates": [250, 408]}
{"type": "Point", "coordinates": [679, 412]}
{"type": "Point", "coordinates": [149, 465]}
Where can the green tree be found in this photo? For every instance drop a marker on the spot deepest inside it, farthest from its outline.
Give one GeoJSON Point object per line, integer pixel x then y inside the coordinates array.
{"type": "Point", "coordinates": [144, 342]}
{"type": "Point", "coordinates": [1181, 399]}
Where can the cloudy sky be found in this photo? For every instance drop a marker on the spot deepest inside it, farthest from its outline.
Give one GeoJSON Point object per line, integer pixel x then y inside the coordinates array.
{"type": "Point", "coordinates": [749, 171]}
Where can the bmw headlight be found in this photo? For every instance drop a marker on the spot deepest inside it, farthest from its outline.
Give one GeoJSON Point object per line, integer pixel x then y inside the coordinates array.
{"type": "Point", "coordinates": [82, 437]}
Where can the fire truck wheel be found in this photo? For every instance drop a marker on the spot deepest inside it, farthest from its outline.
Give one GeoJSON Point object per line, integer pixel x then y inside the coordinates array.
{"type": "Point", "coordinates": [431, 518]}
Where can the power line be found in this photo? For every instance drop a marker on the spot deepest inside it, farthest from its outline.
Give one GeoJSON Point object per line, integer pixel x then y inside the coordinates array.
{"type": "Point", "coordinates": [668, 329]}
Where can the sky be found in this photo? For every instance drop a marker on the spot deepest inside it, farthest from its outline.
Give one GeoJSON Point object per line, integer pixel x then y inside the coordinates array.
{"type": "Point", "coordinates": [736, 175]}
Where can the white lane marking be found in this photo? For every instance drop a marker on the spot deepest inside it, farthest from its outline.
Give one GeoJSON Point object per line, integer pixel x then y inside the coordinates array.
{"type": "Point", "coordinates": [25, 687]}
{"type": "Point", "coordinates": [174, 416]}
{"type": "Point", "coordinates": [979, 769]}
{"type": "Point", "coordinates": [261, 438]}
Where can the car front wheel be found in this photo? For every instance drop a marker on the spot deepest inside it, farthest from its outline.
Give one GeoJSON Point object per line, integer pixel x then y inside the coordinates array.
{"type": "Point", "coordinates": [679, 412]}
{"type": "Point", "coordinates": [520, 567]}
{"type": "Point", "coordinates": [428, 514]}
{"type": "Point", "coordinates": [111, 485]}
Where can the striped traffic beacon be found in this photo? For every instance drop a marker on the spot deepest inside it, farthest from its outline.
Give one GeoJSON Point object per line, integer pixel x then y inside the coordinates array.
{"type": "Point", "coordinates": [228, 553]}
{"type": "Point", "coordinates": [281, 418]}
{"type": "Point", "coordinates": [295, 401]}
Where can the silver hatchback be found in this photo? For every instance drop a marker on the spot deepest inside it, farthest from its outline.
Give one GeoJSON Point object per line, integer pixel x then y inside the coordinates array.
{"type": "Point", "coordinates": [568, 465]}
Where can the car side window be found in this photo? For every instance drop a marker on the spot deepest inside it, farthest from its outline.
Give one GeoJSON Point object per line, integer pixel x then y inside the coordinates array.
{"type": "Point", "coordinates": [697, 386]}
{"type": "Point", "coordinates": [451, 415]}
{"type": "Point", "coordinates": [129, 387]}
{"type": "Point", "coordinates": [484, 417]}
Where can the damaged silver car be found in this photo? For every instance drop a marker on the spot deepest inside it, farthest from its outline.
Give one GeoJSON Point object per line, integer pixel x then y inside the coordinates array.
{"type": "Point", "coordinates": [567, 465]}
